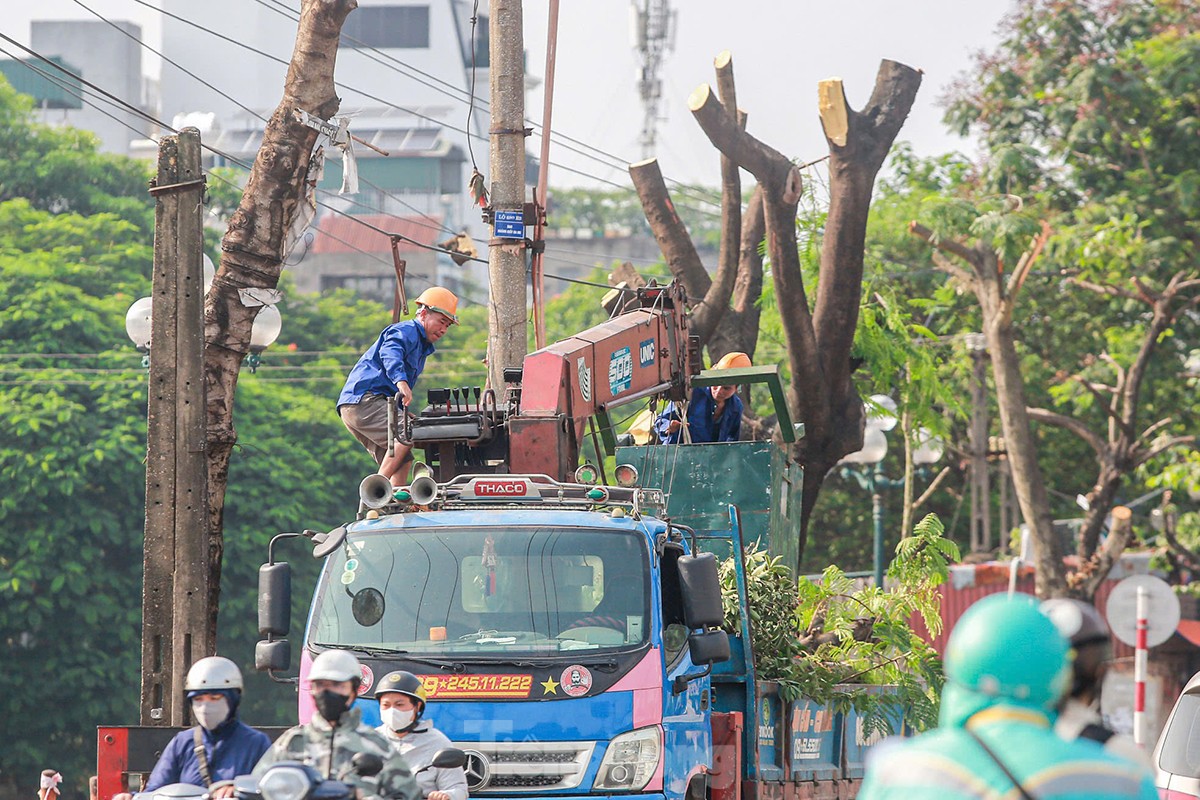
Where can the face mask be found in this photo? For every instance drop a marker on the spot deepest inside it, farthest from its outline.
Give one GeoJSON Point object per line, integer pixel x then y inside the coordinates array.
{"type": "Point", "coordinates": [396, 719]}
{"type": "Point", "coordinates": [331, 705]}
{"type": "Point", "coordinates": [210, 713]}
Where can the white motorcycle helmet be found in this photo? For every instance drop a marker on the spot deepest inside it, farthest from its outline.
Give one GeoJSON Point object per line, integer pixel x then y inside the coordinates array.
{"type": "Point", "coordinates": [336, 665]}
{"type": "Point", "coordinates": [213, 674]}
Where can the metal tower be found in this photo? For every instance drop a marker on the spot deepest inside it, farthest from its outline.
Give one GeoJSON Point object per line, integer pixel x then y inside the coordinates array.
{"type": "Point", "coordinates": [653, 24]}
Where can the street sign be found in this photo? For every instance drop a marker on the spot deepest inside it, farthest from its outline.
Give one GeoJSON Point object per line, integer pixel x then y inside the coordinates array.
{"type": "Point", "coordinates": [509, 224]}
{"type": "Point", "coordinates": [1162, 615]}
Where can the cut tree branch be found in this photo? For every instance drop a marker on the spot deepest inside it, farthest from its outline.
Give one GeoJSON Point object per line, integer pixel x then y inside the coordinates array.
{"type": "Point", "coordinates": [1093, 572]}
{"type": "Point", "coordinates": [669, 231]}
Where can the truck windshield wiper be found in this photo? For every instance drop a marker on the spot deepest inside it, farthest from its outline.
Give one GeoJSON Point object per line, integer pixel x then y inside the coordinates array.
{"type": "Point", "coordinates": [453, 666]}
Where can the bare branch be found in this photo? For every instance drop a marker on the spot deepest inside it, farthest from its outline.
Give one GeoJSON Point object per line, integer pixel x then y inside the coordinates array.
{"type": "Point", "coordinates": [929, 490]}
{"type": "Point", "coordinates": [1162, 447]}
{"type": "Point", "coordinates": [1073, 425]}
{"type": "Point", "coordinates": [1100, 288]}
{"type": "Point", "coordinates": [948, 266]}
{"type": "Point", "coordinates": [1107, 404]}
{"type": "Point", "coordinates": [1017, 279]}
{"type": "Point", "coordinates": [949, 246]}
{"type": "Point", "coordinates": [1149, 432]}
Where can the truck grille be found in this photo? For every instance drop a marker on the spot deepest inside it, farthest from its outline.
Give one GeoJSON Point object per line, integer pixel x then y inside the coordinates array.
{"type": "Point", "coordinates": [527, 766]}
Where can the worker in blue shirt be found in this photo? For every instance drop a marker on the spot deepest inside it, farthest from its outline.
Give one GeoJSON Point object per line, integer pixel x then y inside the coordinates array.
{"type": "Point", "coordinates": [714, 414]}
{"type": "Point", "coordinates": [229, 746]}
{"type": "Point", "coordinates": [391, 367]}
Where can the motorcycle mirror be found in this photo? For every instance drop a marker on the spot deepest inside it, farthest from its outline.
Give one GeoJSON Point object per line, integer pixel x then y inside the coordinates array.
{"type": "Point", "coordinates": [366, 764]}
{"type": "Point", "coordinates": [449, 758]}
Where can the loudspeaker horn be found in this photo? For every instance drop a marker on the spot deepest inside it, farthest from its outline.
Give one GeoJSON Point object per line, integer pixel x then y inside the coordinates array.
{"type": "Point", "coordinates": [375, 491]}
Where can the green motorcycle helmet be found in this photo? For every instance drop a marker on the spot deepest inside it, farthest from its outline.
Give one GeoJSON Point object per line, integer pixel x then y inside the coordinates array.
{"type": "Point", "coordinates": [1006, 650]}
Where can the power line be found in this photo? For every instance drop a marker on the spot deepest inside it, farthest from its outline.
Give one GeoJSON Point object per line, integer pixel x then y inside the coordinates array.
{"type": "Point", "coordinates": [426, 117]}
{"type": "Point", "coordinates": [148, 117]}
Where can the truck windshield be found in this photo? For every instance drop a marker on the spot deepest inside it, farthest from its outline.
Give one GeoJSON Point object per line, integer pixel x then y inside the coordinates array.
{"type": "Point", "coordinates": [495, 590]}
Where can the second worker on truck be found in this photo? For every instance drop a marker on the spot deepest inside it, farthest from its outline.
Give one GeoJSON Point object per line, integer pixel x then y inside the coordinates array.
{"type": "Point", "coordinates": [391, 367]}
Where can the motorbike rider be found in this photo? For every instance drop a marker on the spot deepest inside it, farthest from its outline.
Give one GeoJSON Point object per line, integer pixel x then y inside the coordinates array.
{"type": "Point", "coordinates": [336, 733]}
{"type": "Point", "coordinates": [221, 746]}
{"type": "Point", "coordinates": [1006, 670]}
{"type": "Point", "coordinates": [402, 702]}
{"type": "Point", "coordinates": [1079, 715]}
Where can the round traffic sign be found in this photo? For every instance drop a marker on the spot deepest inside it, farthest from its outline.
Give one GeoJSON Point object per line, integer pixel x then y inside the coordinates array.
{"type": "Point", "coordinates": [1162, 610]}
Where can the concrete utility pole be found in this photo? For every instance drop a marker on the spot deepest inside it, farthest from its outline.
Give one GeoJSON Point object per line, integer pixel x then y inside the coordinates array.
{"type": "Point", "coordinates": [175, 592]}
{"type": "Point", "coordinates": [653, 37]}
{"type": "Point", "coordinates": [506, 254]}
{"type": "Point", "coordinates": [981, 507]}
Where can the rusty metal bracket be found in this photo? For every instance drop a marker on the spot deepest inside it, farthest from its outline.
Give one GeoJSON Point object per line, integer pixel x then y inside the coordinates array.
{"type": "Point", "coordinates": [399, 299]}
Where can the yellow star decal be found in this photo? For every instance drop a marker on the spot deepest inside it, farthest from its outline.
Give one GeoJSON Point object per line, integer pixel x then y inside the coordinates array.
{"type": "Point", "coordinates": [550, 686]}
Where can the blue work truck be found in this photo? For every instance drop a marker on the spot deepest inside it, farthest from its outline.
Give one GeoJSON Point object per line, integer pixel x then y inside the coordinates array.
{"type": "Point", "coordinates": [568, 634]}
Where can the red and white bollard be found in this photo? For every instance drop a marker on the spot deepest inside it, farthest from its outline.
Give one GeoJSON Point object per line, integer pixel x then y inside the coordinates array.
{"type": "Point", "coordinates": [1140, 653]}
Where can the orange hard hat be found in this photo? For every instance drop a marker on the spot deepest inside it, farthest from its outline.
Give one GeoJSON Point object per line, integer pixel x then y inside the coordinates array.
{"type": "Point", "coordinates": [441, 300]}
{"type": "Point", "coordinates": [734, 359]}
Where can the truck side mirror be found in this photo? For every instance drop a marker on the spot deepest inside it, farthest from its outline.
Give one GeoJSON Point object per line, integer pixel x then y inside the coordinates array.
{"type": "Point", "coordinates": [273, 656]}
{"type": "Point", "coordinates": [709, 647]}
{"type": "Point", "coordinates": [274, 599]}
{"type": "Point", "coordinates": [701, 588]}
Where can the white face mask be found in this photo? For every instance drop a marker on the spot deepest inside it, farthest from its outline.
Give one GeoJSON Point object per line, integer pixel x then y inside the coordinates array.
{"type": "Point", "coordinates": [396, 719]}
{"type": "Point", "coordinates": [210, 713]}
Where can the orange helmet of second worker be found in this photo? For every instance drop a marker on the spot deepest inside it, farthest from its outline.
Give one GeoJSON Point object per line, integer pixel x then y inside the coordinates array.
{"type": "Point", "coordinates": [441, 300]}
{"type": "Point", "coordinates": [733, 360]}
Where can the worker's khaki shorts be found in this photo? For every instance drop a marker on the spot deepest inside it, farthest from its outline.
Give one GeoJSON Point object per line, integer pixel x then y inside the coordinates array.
{"type": "Point", "coordinates": [367, 420]}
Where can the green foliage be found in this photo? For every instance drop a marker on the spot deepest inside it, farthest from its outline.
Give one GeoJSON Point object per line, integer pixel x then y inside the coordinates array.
{"type": "Point", "coordinates": [59, 169]}
{"type": "Point", "coordinates": [829, 638]}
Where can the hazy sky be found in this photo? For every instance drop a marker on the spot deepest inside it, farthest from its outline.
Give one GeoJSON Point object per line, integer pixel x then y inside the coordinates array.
{"type": "Point", "coordinates": [781, 49]}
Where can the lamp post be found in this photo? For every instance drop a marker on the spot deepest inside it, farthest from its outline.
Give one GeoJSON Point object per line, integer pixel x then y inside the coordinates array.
{"type": "Point", "coordinates": [267, 325]}
{"type": "Point", "coordinates": [866, 466]}
{"type": "Point", "coordinates": [263, 334]}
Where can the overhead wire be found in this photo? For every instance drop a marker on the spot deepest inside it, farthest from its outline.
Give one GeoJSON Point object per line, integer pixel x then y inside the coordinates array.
{"type": "Point", "coordinates": [426, 117]}
{"type": "Point", "coordinates": [117, 101]}
{"type": "Point", "coordinates": [121, 103]}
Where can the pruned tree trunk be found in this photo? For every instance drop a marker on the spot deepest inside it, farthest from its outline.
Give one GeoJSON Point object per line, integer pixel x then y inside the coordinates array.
{"type": "Point", "coordinates": [738, 278]}
{"type": "Point", "coordinates": [255, 243]}
{"type": "Point", "coordinates": [819, 340]}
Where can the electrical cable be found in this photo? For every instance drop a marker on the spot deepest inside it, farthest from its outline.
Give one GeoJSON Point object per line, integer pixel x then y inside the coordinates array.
{"type": "Point", "coordinates": [418, 114]}
{"type": "Point", "coordinates": [233, 159]}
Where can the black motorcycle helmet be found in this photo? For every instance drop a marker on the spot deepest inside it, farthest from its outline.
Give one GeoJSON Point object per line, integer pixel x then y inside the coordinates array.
{"type": "Point", "coordinates": [403, 682]}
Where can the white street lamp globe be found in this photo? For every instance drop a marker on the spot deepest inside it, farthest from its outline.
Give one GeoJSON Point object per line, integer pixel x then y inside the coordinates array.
{"type": "Point", "coordinates": [266, 329]}
{"type": "Point", "coordinates": [210, 272]}
{"type": "Point", "coordinates": [873, 450]}
{"type": "Point", "coordinates": [929, 448]}
{"type": "Point", "coordinates": [881, 412]}
{"type": "Point", "coordinates": [137, 322]}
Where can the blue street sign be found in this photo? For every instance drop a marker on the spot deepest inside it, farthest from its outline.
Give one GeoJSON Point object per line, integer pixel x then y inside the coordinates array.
{"type": "Point", "coordinates": [509, 224]}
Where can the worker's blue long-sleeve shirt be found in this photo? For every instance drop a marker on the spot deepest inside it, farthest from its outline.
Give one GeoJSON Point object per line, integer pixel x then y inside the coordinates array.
{"type": "Point", "coordinates": [703, 425]}
{"type": "Point", "coordinates": [232, 749]}
{"type": "Point", "coordinates": [398, 355]}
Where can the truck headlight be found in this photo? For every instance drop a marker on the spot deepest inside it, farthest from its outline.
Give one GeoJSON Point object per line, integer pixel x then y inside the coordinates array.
{"type": "Point", "coordinates": [285, 783]}
{"type": "Point", "coordinates": [630, 761]}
